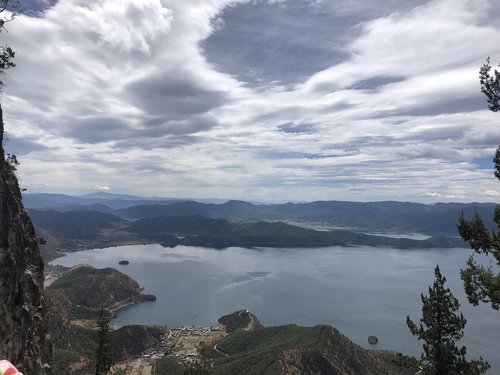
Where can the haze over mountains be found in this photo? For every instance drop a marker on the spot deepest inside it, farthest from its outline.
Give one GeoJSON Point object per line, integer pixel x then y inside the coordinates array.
{"type": "Point", "coordinates": [402, 217]}
{"type": "Point", "coordinates": [95, 200]}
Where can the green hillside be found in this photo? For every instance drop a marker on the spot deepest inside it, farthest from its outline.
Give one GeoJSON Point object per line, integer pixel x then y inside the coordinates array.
{"type": "Point", "coordinates": [74, 302]}
{"type": "Point", "coordinates": [240, 320]}
{"type": "Point", "coordinates": [169, 366]}
{"type": "Point", "coordinates": [83, 290]}
{"type": "Point", "coordinates": [132, 340]}
{"type": "Point", "coordinates": [291, 349]}
{"type": "Point", "coordinates": [77, 275]}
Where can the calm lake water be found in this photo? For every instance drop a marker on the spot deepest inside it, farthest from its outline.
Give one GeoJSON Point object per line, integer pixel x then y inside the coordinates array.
{"type": "Point", "coordinates": [361, 291]}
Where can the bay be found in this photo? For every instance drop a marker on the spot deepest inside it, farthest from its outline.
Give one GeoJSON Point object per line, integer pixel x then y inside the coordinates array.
{"type": "Point", "coordinates": [361, 291]}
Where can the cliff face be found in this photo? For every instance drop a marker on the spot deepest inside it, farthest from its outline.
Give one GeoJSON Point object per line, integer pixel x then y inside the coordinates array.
{"type": "Point", "coordinates": [22, 311]}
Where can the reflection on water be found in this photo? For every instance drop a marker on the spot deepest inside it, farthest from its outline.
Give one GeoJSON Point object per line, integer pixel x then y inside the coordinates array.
{"type": "Point", "coordinates": [361, 291]}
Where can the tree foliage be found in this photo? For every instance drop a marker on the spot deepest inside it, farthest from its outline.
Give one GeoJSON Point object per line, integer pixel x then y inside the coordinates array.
{"type": "Point", "coordinates": [441, 327]}
{"type": "Point", "coordinates": [490, 85]}
{"type": "Point", "coordinates": [104, 350]}
{"type": "Point", "coordinates": [6, 52]}
{"type": "Point", "coordinates": [482, 283]}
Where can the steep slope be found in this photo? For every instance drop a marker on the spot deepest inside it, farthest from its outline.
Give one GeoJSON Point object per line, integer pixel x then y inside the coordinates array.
{"type": "Point", "coordinates": [295, 350]}
{"type": "Point", "coordinates": [22, 307]}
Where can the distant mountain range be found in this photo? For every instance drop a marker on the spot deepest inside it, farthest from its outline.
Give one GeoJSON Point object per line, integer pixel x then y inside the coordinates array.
{"type": "Point", "coordinates": [438, 219]}
{"type": "Point", "coordinates": [79, 230]}
{"type": "Point", "coordinates": [75, 224]}
{"type": "Point", "coordinates": [196, 230]}
{"type": "Point", "coordinates": [98, 200]}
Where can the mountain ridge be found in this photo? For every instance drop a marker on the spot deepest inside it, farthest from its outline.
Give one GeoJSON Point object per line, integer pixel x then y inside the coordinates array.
{"type": "Point", "coordinates": [80, 230]}
{"type": "Point", "coordinates": [296, 350]}
{"type": "Point", "coordinates": [389, 216]}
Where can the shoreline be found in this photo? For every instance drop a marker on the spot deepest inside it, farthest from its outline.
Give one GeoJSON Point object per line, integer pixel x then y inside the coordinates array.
{"type": "Point", "coordinates": [143, 297]}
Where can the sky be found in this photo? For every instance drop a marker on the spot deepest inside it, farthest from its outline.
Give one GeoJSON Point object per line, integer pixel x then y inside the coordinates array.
{"type": "Point", "coordinates": [267, 100]}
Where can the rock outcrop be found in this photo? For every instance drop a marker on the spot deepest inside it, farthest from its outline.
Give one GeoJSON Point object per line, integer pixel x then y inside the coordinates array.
{"type": "Point", "coordinates": [23, 338]}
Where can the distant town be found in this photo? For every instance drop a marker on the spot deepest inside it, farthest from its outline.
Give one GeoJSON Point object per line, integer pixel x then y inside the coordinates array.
{"type": "Point", "coordinates": [183, 343]}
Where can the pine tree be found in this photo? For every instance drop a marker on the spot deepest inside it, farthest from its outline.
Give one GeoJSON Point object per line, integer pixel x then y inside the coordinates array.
{"type": "Point", "coordinates": [490, 85]}
{"type": "Point", "coordinates": [6, 52]}
{"type": "Point", "coordinates": [441, 327]}
{"type": "Point", "coordinates": [482, 284]}
{"type": "Point", "coordinates": [104, 350]}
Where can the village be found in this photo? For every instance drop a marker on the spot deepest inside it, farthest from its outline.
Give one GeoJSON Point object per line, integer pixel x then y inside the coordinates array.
{"type": "Point", "coordinates": [182, 342]}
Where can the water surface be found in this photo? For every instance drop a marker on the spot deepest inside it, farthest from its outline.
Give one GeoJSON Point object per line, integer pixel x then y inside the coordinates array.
{"type": "Point", "coordinates": [361, 291]}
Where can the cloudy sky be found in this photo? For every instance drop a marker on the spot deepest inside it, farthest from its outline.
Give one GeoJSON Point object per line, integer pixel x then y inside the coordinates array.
{"type": "Point", "coordinates": [267, 100]}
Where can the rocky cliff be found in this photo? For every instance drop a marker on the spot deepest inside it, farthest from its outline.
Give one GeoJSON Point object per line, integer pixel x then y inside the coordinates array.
{"type": "Point", "coordinates": [22, 312]}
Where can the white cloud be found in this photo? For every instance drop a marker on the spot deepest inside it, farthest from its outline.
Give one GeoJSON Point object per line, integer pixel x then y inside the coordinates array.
{"type": "Point", "coordinates": [120, 25]}
{"type": "Point", "coordinates": [121, 94]}
{"type": "Point", "coordinates": [432, 37]}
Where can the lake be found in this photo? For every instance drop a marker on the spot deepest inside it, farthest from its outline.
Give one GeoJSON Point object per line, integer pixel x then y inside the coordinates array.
{"type": "Point", "coordinates": [361, 291]}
